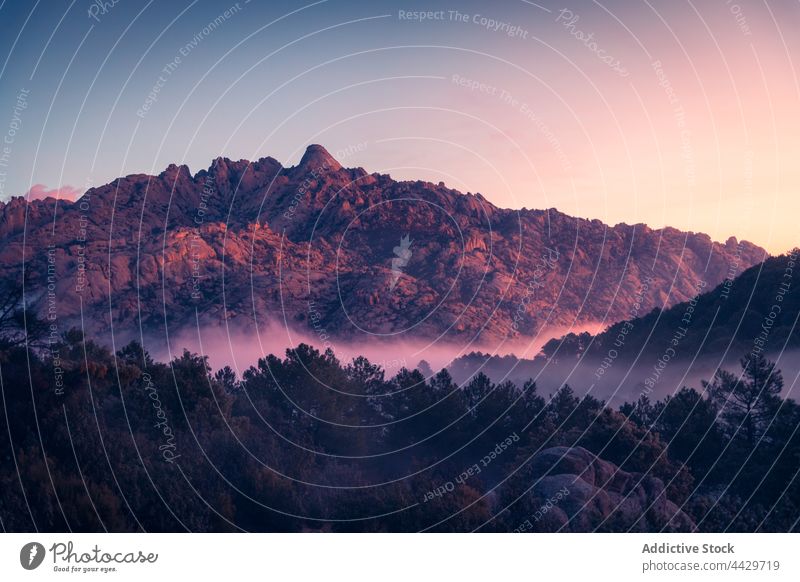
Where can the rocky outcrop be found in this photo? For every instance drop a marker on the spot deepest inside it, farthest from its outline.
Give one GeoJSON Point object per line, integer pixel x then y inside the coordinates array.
{"type": "Point", "coordinates": [162, 248]}
{"type": "Point", "coordinates": [576, 491]}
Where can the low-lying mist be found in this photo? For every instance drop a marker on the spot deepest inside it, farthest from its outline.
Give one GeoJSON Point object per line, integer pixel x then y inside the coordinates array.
{"type": "Point", "coordinates": [517, 360]}
{"type": "Point", "coordinates": [240, 347]}
{"type": "Point", "coordinates": [622, 381]}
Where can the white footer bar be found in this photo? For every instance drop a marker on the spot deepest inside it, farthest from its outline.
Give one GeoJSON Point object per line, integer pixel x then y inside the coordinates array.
{"type": "Point", "coordinates": [400, 557]}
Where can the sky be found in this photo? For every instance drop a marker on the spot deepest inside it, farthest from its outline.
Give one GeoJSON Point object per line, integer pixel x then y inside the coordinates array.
{"type": "Point", "coordinates": [669, 113]}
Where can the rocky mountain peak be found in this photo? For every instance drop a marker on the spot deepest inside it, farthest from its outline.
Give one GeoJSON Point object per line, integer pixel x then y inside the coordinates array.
{"type": "Point", "coordinates": [472, 265]}
{"type": "Point", "coordinates": [175, 172]}
{"type": "Point", "coordinates": [316, 158]}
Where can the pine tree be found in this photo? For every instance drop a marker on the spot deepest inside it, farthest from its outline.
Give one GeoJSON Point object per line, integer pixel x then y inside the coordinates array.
{"type": "Point", "coordinates": [747, 403]}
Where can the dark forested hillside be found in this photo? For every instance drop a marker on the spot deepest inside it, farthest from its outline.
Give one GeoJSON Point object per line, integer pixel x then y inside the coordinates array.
{"type": "Point", "coordinates": [661, 351]}
{"type": "Point", "coordinates": [757, 311]}
{"type": "Point", "coordinates": [99, 441]}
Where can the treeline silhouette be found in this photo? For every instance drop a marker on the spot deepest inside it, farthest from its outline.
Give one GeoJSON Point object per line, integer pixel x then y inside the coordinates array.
{"type": "Point", "coordinates": [307, 443]}
{"type": "Point", "coordinates": [728, 317]}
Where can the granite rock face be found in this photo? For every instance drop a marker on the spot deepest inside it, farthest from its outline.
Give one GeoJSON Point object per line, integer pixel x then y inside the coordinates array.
{"type": "Point", "coordinates": [574, 490]}
{"type": "Point", "coordinates": [245, 242]}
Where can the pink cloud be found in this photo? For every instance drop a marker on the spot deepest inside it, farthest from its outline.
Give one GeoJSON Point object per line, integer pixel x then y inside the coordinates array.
{"type": "Point", "coordinates": [40, 192]}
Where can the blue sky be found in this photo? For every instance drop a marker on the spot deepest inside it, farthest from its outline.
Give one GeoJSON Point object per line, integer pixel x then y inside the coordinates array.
{"type": "Point", "coordinates": [547, 124]}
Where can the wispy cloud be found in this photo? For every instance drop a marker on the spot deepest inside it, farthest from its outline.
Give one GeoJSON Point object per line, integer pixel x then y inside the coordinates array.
{"type": "Point", "coordinates": [40, 192]}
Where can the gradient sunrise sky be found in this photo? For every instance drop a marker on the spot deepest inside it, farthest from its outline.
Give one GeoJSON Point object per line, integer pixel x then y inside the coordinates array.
{"type": "Point", "coordinates": [671, 113]}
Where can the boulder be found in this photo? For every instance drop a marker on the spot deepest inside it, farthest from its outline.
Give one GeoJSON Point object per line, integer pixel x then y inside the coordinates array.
{"type": "Point", "coordinates": [576, 491]}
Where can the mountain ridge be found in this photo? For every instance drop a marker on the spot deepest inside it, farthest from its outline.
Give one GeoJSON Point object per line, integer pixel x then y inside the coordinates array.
{"type": "Point", "coordinates": [316, 156]}
{"type": "Point", "coordinates": [278, 237]}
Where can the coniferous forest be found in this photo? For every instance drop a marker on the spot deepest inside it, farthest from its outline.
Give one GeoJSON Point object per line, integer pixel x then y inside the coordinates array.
{"type": "Point", "coordinates": [105, 441]}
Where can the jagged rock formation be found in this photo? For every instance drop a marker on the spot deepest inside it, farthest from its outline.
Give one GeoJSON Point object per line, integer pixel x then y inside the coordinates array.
{"type": "Point", "coordinates": [246, 241]}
